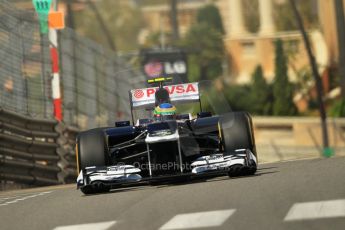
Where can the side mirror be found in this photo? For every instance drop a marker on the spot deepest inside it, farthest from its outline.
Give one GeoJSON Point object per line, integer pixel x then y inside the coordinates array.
{"type": "Point", "coordinates": [122, 123]}
{"type": "Point", "coordinates": [204, 114]}
{"type": "Point", "coordinates": [186, 116]}
{"type": "Point", "coordinates": [143, 122]}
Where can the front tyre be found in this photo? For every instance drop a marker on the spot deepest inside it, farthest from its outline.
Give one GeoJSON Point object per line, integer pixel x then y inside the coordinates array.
{"type": "Point", "coordinates": [236, 132]}
{"type": "Point", "coordinates": [92, 150]}
{"type": "Point", "coordinates": [96, 187]}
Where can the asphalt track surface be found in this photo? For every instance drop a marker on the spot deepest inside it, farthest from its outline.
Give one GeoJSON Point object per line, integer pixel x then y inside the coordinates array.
{"type": "Point", "coordinates": [304, 194]}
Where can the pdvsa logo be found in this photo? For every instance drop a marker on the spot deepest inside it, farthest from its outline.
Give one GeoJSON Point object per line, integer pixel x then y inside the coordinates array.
{"type": "Point", "coordinates": [174, 89]}
{"type": "Point", "coordinates": [138, 93]}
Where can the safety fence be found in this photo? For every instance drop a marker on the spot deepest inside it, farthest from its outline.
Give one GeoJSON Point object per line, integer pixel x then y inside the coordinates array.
{"type": "Point", "coordinates": [35, 152]}
{"type": "Point", "coordinates": [94, 80]}
{"type": "Point", "coordinates": [24, 63]}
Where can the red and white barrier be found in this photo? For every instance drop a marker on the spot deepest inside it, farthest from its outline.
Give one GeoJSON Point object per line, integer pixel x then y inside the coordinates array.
{"type": "Point", "coordinates": [56, 92]}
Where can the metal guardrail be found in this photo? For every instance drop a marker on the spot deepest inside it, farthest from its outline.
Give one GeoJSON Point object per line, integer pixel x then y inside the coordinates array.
{"type": "Point", "coordinates": [66, 152]}
{"type": "Point", "coordinates": [35, 151]}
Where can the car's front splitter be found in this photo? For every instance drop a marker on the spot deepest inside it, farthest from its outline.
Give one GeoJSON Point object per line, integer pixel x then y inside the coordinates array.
{"type": "Point", "coordinates": [241, 163]}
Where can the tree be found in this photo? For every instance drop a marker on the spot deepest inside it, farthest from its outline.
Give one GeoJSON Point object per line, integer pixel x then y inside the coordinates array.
{"type": "Point", "coordinates": [285, 19]}
{"type": "Point", "coordinates": [174, 20]}
{"type": "Point", "coordinates": [210, 15]}
{"type": "Point", "coordinates": [207, 45]}
{"type": "Point", "coordinates": [205, 39]}
{"type": "Point", "coordinates": [239, 99]}
{"type": "Point", "coordinates": [123, 27]}
{"type": "Point", "coordinates": [154, 39]}
{"type": "Point", "coordinates": [260, 93]}
{"type": "Point", "coordinates": [338, 108]}
{"type": "Point", "coordinates": [282, 89]}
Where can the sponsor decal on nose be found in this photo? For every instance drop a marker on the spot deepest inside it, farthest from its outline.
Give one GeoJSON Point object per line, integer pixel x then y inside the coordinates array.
{"type": "Point", "coordinates": [138, 93]}
{"type": "Point", "coordinates": [150, 92]}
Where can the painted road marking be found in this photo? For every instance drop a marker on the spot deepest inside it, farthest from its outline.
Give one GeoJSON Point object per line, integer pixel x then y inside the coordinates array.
{"type": "Point", "coordinates": [198, 220]}
{"type": "Point", "coordinates": [316, 210]}
{"type": "Point", "coordinates": [9, 198]}
{"type": "Point", "coordinates": [20, 198]}
{"type": "Point", "coordinates": [91, 226]}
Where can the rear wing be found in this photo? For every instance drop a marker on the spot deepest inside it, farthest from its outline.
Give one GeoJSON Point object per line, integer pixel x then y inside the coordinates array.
{"type": "Point", "coordinates": [180, 93]}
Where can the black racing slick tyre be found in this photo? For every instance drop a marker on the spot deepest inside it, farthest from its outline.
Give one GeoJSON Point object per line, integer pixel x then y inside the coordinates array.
{"type": "Point", "coordinates": [236, 132]}
{"type": "Point", "coordinates": [94, 188]}
{"type": "Point", "coordinates": [92, 150]}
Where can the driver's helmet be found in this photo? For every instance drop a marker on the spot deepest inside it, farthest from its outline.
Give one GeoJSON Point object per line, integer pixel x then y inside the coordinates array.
{"type": "Point", "coordinates": [165, 111]}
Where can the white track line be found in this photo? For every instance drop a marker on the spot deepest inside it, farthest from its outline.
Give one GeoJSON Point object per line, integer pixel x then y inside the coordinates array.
{"type": "Point", "coordinates": [21, 198]}
{"type": "Point", "coordinates": [8, 198]}
{"type": "Point", "coordinates": [198, 220]}
{"type": "Point", "coordinates": [316, 210]}
{"type": "Point", "coordinates": [91, 226]}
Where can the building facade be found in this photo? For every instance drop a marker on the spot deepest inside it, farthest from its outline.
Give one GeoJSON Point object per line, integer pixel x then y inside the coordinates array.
{"type": "Point", "coordinates": [246, 50]}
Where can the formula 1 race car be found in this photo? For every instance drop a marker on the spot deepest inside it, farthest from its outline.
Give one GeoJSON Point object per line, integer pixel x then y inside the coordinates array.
{"type": "Point", "coordinates": [165, 147]}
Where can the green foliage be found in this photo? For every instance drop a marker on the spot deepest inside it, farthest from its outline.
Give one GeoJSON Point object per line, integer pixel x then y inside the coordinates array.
{"type": "Point", "coordinates": [334, 78]}
{"type": "Point", "coordinates": [239, 98]}
{"type": "Point", "coordinates": [208, 44]}
{"type": "Point", "coordinates": [255, 98]}
{"type": "Point", "coordinates": [261, 94]}
{"type": "Point", "coordinates": [193, 69]}
{"type": "Point", "coordinates": [285, 19]}
{"type": "Point", "coordinates": [123, 21]}
{"type": "Point", "coordinates": [154, 39]}
{"type": "Point", "coordinates": [338, 108]}
{"type": "Point", "coordinates": [282, 88]}
{"type": "Point", "coordinates": [205, 38]}
{"type": "Point", "coordinates": [213, 100]}
{"type": "Point", "coordinates": [210, 15]}
{"type": "Point", "coordinates": [304, 80]}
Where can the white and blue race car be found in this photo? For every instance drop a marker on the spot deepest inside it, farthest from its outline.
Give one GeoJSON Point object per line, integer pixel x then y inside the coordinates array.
{"type": "Point", "coordinates": [165, 147]}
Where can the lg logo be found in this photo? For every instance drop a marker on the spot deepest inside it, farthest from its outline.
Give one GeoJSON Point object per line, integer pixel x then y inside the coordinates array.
{"type": "Point", "coordinates": [177, 67]}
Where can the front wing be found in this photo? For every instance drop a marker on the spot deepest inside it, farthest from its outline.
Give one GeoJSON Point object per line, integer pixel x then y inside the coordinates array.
{"type": "Point", "coordinates": [242, 161]}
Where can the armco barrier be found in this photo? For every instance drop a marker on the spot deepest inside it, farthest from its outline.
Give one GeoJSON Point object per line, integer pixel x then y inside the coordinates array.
{"type": "Point", "coordinates": [66, 152]}
{"type": "Point", "coordinates": [35, 151]}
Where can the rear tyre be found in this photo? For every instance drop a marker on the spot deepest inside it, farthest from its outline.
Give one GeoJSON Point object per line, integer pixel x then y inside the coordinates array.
{"type": "Point", "coordinates": [237, 133]}
{"type": "Point", "coordinates": [92, 150]}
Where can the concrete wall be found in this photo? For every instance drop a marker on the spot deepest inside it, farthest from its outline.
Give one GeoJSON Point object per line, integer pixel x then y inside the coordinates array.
{"type": "Point", "coordinates": [329, 27]}
{"type": "Point", "coordinates": [280, 139]}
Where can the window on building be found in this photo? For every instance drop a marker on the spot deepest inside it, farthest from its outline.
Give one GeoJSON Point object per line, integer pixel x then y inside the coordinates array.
{"type": "Point", "coordinates": [248, 48]}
